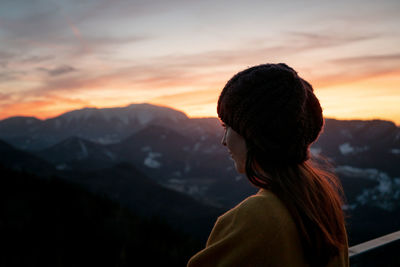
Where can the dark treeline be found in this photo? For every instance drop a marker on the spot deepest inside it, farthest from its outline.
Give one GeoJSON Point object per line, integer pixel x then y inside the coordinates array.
{"type": "Point", "coordinates": [50, 222]}
{"type": "Point", "coordinates": [370, 222]}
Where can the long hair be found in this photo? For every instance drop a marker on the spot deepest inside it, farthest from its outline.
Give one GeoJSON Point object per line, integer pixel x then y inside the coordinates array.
{"type": "Point", "coordinates": [314, 199]}
{"type": "Point", "coordinates": [278, 115]}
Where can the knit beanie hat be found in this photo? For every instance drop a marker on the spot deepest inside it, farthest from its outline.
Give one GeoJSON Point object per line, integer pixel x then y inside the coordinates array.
{"type": "Point", "coordinates": [274, 110]}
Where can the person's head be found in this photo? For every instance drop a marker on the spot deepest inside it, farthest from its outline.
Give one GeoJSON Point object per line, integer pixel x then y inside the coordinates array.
{"type": "Point", "coordinates": [272, 116]}
{"type": "Point", "coordinates": [276, 113]}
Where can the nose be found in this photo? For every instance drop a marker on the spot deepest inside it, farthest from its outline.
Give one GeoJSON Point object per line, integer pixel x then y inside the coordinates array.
{"type": "Point", "coordinates": [223, 141]}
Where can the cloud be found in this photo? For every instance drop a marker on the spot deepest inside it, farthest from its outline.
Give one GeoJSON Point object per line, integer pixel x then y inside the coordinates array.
{"type": "Point", "coordinates": [199, 103]}
{"type": "Point", "coordinates": [42, 108]}
{"type": "Point", "coordinates": [4, 97]}
{"type": "Point", "coordinates": [87, 45]}
{"type": "Point", "coordinates": [353, 69]}
{"type": "Point", "coordinates": [36, 58]}
{"type": "Point", "coordinates": [309, 40]}
{"type": "Point", "coordinates": [345, 77]}
{"type": "Point", "coordinates": [37, 30]}
{"type": "Point", "coordinates": [60, 70]}
{"type": "Point", "coordinates": [5, 57]}
{"type": "Point", "coordinates": [34, 21]}
{"type": "Point", "coordinates": [189, 98]}
{"type": "Point", "coordinates": [259, 51]}
{"type": "Point", "coordinates": [200, 70]}
{"type": "Point", "coordinates": [116, 9]}
{"type": "Point", "coordinates": [10, 75]}
{"type": "Point", "coordinates": [369, 59]}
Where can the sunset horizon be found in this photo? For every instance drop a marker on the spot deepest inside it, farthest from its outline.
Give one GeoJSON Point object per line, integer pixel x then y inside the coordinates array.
{"type": "Point", "coordinates": [113, 153]}
{"type": "Point", "coordinates": [397, 123]}
{"type": "Point", "coordinates": [58, 57]}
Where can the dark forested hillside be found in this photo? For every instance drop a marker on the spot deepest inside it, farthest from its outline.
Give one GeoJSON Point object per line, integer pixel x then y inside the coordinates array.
{"type": "Point", "coordinates": [156, 161]}
{"type": "Point", "coordinates": [49, 222]}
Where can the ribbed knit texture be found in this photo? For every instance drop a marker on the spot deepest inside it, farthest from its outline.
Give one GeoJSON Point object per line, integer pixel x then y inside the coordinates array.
{"type": "Point", "coordinates": [275, 110]}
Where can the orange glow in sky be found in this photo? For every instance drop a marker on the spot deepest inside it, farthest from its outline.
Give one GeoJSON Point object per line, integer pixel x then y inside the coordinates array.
{"type": "Point", "coordinates": [57, 57]}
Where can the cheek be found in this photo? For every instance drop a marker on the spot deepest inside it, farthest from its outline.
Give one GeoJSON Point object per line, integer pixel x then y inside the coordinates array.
{"type": "Point", "coordinates": [240, 155]}
{"type": "Point", "coordinates": [237, 146]}
{"type": "Point", "coordinates": [242, 150]}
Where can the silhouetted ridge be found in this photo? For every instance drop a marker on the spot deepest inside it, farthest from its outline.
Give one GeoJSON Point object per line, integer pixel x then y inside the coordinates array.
{"type": "Point", "coordinates": [21, 160]}
{"type": "Point", "coordinates": [135, 190]}
{"type": "Point", "coordinates": [54, 223]}
{"type": "Point", "coordinates": [78, 153]}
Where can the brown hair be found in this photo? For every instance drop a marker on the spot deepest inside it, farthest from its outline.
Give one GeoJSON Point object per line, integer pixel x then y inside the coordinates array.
{"type": "Point", "coordinates": [313, 198]}
{"type": "Point", "coordinates": [279, 116]}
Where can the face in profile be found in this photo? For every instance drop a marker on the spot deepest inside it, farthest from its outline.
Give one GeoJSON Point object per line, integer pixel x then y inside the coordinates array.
{"type": "Point", "coordinates": [236, 146]}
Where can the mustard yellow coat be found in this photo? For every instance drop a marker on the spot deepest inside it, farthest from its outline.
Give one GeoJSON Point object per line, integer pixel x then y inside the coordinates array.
{"type": "Point", "coordinates": [257, 232]}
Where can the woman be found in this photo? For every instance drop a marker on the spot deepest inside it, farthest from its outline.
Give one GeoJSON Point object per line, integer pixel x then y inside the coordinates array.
{"type": "Point", "coordinates": [271, 116]}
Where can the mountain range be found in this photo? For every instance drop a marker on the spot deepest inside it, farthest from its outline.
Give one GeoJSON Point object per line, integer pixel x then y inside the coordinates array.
{"type": "Point", "coordinates": [184, 155]}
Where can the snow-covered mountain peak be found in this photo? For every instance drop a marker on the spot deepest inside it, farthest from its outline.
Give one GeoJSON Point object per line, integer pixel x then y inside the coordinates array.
{"type": "Point", "coordinates": [145, 113]}
{"type": "Point", "coordinates": [80, 114]}
{"type": "Point", "coordinates": [142, 113]}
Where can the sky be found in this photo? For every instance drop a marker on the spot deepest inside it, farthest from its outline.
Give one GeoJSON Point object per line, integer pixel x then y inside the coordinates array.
{"type": "Point", "coordinates": [57, 56]}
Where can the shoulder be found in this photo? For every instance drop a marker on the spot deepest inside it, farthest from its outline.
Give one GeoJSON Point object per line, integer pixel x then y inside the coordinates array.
{"type": "Point", "coordinates": [259, 215]}
{"type": "Point", "coordinates": [257, 232]}
{"type": "Point", "coordinates": [264, 207]}
{"type": "Point", "coordinates": [264, 201]}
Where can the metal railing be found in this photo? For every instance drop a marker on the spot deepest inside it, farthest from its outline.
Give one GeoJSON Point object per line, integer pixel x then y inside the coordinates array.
{"type": "Point", "coordinates": [383, 251]}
